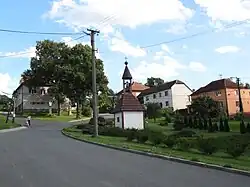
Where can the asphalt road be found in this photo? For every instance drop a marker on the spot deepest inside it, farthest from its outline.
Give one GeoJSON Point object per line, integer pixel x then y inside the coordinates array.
{"type": "Point", "coordinates": [42, 157]}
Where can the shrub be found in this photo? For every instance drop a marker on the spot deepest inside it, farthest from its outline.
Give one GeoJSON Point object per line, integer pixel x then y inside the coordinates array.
{"type": "Point", "coordinates": [248, 127]}
{"type": "Point", "coordinates": [190, 122]}
{"type": "Point", "coordinates": [200, 124]}
{"type": "Point", "coordinates": [163, 123]}
{"type": "Point", "coordinates": [86, 111]}
{"type": "Point", "coordinates": [131, 134]}
{"type": "Point", "coordinates": [236, 149]}
{"type": "Point", "coordinates": [195, 123]}
{"type": "Point", "coordinates": [210, 125]}
{"type": "Point", "coordinates": [185, 121]}
{"type": "Point", "coordinates": [170, 141]}
{"type": "Point", "coordinates": [215, 127]}
{"type": "Point", "coordinates": [205, 124]}
{"type": "Point", "coordinates": [156, 138]}
{"type": "Point", "coordinates": [142, 136]}
{"type": "Point", "coordinates": [242, 127]}
{"type": "Point", "coordinates": [113, 131]}
{"type": "Point", "coordinates": [184, 144]}
{"type": "Point", "coordinates": [101, 121]}
{"type": "Point", "coordinates": [226, 125]}
{"type": "Point", "coordinates": [221, 126]}
{"type": "Point", "coordinates": [238, 116]}
{"type": "Point", "coordinates": [178, 123]}
{"type": "Point", "coordinates": [207, 146]}
{"type": "Point", "coordinates": [185, 133]}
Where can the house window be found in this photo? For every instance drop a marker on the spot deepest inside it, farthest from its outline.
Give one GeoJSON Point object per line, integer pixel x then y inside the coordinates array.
{"type": "Point", "coordinates": [154, 96]}
{"type": "Point", "coordinates": [42, 91]}
{"type": "Point", "coordinates": [236, 92]}
{"type": "Point", "coordinates": [159, 94]}
{"type": "Point", "coordinates": [189, 98]}
{"type": "Point", "coordinates": [167, 103]}
{"type": "Point", "coordinates": [161, 105]}
{"type": "Point", "coordinates": [117, 119]}
{"type": "Point", "coordinates": [237, 103]}
{"type": "Point", "coordinates": [32, 90]}
{"type": "Point", "coordinates": [166, 93]}
{"type": "Point", "coordinates": [218, 93]}
{"type": "Point", "coordinates": [147, 98]}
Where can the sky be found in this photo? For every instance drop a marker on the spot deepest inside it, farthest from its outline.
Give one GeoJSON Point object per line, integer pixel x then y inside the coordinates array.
{"type": "Point", "coordinates": [150, 33]}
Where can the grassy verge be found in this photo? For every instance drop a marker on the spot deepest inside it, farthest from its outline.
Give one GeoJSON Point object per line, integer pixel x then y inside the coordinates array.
{"type": "Point", "coordinates": [219, 158]}
{"type": "Point", "coordinates": [58, 118]}
{"type": "Point", "coordinates": [8, 125]}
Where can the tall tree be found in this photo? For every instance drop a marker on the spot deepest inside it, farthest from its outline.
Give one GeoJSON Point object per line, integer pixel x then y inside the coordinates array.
{"type": "Point", "coordinates": [152, 81]}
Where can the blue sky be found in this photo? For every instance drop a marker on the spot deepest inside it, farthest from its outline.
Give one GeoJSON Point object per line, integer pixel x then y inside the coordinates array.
{"type": "Point", "coordinates": [126, 27]}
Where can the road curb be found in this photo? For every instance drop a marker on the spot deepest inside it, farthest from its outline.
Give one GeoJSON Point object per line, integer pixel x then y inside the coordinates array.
{"type": "Point", "coordinates": [79, 120]}
{"type": "Point", "coordinates": [174, 159]}
{"type": "Point", "coordinates": [13, 129]}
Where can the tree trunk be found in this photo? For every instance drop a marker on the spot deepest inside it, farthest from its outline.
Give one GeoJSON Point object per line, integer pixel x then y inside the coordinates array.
{"type": "Point", "coordinates": [77, 110]}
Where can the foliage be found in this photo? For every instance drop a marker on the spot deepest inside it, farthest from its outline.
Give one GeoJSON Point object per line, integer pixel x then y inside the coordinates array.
{"type": "Point", "coordinates": [4, 101]}
{"type": "Point", "coordinates": [167, 113]}
{"type": "Point", "coordinates": [142, 136]}
{"type": "Point", "coordinates": [210, 125]}
{"type": "Point", "coordinates": [195, 122]}
{"type": "Point", "coordinates": [184, 144]}
{"type": "Point", "coordinates": [153, 111]}
{"type": "Point", "coordinates": [178, 122]}
{"type": "Point", "coordinates": [242, 127]}
{"type": "Point", "coordinates": [207, 146]}
{"type": "Point", "coordinates": [238, 116]}
{"type": "Point", "coordinates": [170, 141]}
{"type": "Point", "coordinates": [190, 122]}
{"type": "Point", "coordinates": [248, 127]}
{"type": "Point", "coordinates": [221, 126]}
{"type": "Point", "coordinates": [131, 134]}
{"type": "Point", "coordinates": [156, 137]}
{"type": "Point", "coordinates": [205, 107]}
{"type": "Point", "coordinates": [101, 121]}
{"type": "Point", "coordinates": [205, 124]}
{"type": "Point", "coordinates": [200, 124]}
{"type": "Point", "coordinates": [185, 121]}
{"type": "Point", "coordinates": [184, 133]}
{"type": "Point", "coordinates": [226, 125]}
{"type": "Point", "coordinates": [236, 145]}
{"type": "Point", "coordinates": [215, 127]}
{"type": "Point", "coordinates": [86, 111]}
{"type": "Point", "coordinates": [152, 81]}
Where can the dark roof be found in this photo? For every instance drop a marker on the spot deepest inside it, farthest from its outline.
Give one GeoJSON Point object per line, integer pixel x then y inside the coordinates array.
{"type": "Point", "coordinates": [161, 87]}
{"type": "Point", "coordinates": [216, 85]}
{"type": "Point", "coordinates": [128, 102]}
{"type": "Point", "coordinates": [126, 73]}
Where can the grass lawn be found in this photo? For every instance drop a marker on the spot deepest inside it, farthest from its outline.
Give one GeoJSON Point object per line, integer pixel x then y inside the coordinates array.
{"type": "Point", "coordinates": [9, 125]}
{"type": "Point", "coordinates": [219, 158]}
{"type": "Point", "coordinates": [234, 126]}
{"type": "Point", "coordinates": [62, 118]}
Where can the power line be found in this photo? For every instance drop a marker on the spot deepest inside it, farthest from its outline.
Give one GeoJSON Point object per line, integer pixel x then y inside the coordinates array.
{"type": "Point", "coordinates": [29, 52]}
{"type": "Point", "coordinates": [40, 33]}
{"type": "Point", "coordinates": [231, 25]}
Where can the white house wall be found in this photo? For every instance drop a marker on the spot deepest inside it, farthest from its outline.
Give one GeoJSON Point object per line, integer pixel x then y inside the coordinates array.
{"type": "Point", "coordinates": [133, 120]}
{"type": "Point", "coordinates": [181, 96]}
{"type": "Point", "coordinates": [160, 99]}
{"type": "Point", "coordinates": [118, 120]}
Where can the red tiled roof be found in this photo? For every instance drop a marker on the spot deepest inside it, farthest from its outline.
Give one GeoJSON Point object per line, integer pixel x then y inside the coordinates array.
{"type": "Point", "coordinates": [128, 102]}
{"type": "Point", "coordinates": [216, 85]}
{"type": "Point", "coordinates": [136, 87]}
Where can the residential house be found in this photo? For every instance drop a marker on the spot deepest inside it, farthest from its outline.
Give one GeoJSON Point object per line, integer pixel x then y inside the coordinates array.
{"type": "Point", "coordinates": [33, 99]}
{"type": "Point", "coordinates": [226, 92]}
{"type": "Point", "coordinates": [174, 94]}
{"type": "Point", "coordinates": [136, 89]}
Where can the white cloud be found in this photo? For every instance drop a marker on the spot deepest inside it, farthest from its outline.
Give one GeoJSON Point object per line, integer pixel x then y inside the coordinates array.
{"type": "Point", "coordinates": [8, 84]}
{"type": "Point", "coordinates": [230, 10]}
{"type": "Point", "coordinates": [85, 13]}
{"type": "Point", "coordinates": [119, 44]}
{"type": "Point", "coordinates": [197, 66]}
{"type": "Point", "coordinates": [227, 49]}
{"type": "Point", "coordinates": [177, 29]}
{"type": "Point", "coordinates": [27, 53]}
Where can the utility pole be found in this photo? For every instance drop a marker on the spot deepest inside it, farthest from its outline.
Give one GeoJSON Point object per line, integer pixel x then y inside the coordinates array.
{"type": "Point", "coordinates": [240, 99]}
{"type": "Point", "coordinates": [94, 90]}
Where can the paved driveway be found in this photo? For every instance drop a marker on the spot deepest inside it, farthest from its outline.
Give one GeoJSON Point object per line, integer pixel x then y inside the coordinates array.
{"type": "Point", "coordinates": [42, 157]}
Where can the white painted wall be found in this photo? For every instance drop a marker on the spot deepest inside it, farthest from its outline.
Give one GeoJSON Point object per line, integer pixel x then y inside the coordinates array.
{"type": "Point", "coordinates": [36, 100]}
{"type": "Point", "coordinates": [118, 120]}
{"type": "Point", "coordinates": [178, 97]}
{"type": "Point", "coordinates": [181, 96]}
{"type": "Point", "coordinates": [133, 120]}
{"type": "Point", "coordinates": [160, 98]}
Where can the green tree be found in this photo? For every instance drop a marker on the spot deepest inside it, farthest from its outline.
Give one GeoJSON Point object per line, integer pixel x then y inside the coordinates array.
{"type": "Point", "coordinates": [195, 122]}
{"type": "Point", "coordinates": [190, 121]}
{"type": "Point", "coordinates": [205, 124]}
{"type": "Point", "coordinates": [152, 81]}
{"type": "Point", "coordinates": [221, 127]}
{"type": "Point", "coordinates": [210, 125]}
{"type": "Point", "coordinates": [153, 111]}
{"type": "Point", "coordinates": [226, 125]}
{"type": "Point", "coordinates": [200, 124]}
{"type": "Point", "coordinates": [242, 127]}
{"type": "Point", "coordinates": [205, 107]}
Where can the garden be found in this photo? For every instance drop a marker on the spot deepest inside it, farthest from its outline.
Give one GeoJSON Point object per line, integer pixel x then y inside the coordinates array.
{"type": "Point", "coordinates": [213, 140]}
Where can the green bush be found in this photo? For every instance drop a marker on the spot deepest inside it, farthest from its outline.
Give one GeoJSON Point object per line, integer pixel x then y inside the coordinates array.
{"type": "Point", "coordinates": [185, 121]}
{"type": "Point", "coordinates": [131, 134]}
{"type": "Point", "coordinates": [215, 127]}
{"type": "Point", "coordinates": [248, 127]}
{"type": "Point", "coordinates": [170, 141]}
{"type": "Point", "coordinates": [156, 138]}
{"type": "Point", "coordinates": [226, 125]}
{"type": "Point", "coordinates": [242, 127]}
{"type": "Point", "coordinates": [236, 148]}
{"type": "Point", "coordinates": [195, 123]}
{"type": "Point", "coordinates": [200, 124]}
{"type": "Point", "coordinates": [101, 121]}
{"type": "Point", "coordinates": [205, 124]}
{"type": "Point", "coordinates": [190, 122]}
{"type": "Point", "coordinates": [210, 125]}
{"type": "Point", "coordinates": [221, 126]}
{"type": "Point", "coordinates": [185, 133]}
{"type": "Point", "coordinates": [184, 144]}
{"type": "Point", "coordinates": [165, 123]}
{"type": "Point", "coordinates": [86, 111]}
{"type": "Point", "coordinates": [178, 123]}
{"type": "Point", "coordinates": [142, 136]}
{"type": "Point", "coordinates": [207, 146]}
